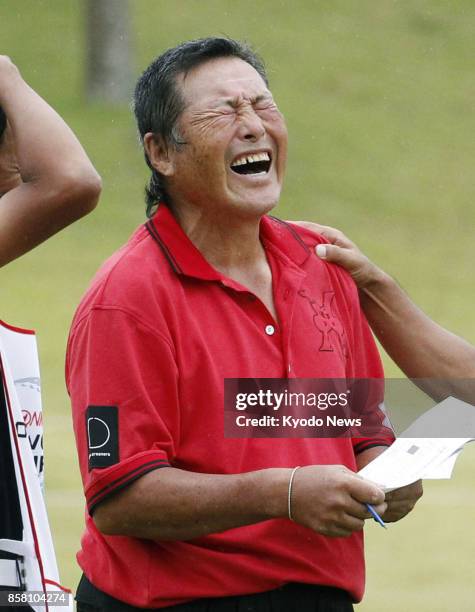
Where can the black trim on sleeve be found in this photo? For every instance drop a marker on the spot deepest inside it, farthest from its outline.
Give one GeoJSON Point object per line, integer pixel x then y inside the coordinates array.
{"type": "Point", "coordinates": [123, 481]}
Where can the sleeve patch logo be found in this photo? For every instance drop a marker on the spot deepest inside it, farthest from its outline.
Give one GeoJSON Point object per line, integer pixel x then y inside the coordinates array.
{"type": "Point", "coordinates": [102, 429]}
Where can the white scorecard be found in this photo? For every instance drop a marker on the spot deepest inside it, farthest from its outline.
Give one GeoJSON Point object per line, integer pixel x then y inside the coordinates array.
{"type": "Point", "coordinates": [414, 455]}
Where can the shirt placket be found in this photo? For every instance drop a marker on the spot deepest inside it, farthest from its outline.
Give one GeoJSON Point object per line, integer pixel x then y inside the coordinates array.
{"type": "Point", "coordinates": [267, 324]}
{"type": "Point", "coordinates": [285, 301]}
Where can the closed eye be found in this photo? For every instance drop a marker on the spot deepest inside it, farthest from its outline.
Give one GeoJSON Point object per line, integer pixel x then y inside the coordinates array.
{"type": "Point", "coordinates": [264, 105]}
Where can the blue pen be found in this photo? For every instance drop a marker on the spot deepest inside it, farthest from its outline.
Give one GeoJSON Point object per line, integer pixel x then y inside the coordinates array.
{"type": "Point", "coordinates": [376, 516]}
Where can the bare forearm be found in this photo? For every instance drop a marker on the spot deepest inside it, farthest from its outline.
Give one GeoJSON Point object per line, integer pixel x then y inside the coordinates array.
{"type": "Point", "coordinates": [45, 147]}
{"type": "Point", "coordinates": [28, 217]}
{"type": "Point", "coordinates": [420, 347]}
{"type": "Point", "coordinates": [172, 504]}
{"type": "Point", "coordinates": [46, 179]}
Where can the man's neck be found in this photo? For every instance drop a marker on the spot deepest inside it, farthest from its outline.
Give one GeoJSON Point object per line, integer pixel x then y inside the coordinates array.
{"type": "Point", "coordinates": [229, 244]}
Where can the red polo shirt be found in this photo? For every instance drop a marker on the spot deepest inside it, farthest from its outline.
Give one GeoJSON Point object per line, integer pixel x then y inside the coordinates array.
{"type": "Point", "coordinates": [154, 337]}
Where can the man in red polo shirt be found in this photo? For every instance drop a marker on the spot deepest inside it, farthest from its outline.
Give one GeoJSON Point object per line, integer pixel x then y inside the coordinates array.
{"type": "Point", "coordinates": [178, 516]}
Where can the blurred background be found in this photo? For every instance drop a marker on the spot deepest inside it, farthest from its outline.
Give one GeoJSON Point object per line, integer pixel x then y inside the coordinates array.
{"type": "Point", "coordinates": [380, 103]}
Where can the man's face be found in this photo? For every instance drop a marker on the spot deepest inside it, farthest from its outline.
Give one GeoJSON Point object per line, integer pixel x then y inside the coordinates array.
{"type": "Point", "coordinates": [236, 140]}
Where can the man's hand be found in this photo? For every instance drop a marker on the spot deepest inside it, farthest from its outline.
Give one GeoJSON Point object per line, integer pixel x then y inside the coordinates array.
{"type": "Point", "coordinates": [330, 499]}
{"type": "Point", "coordinates": [401, 501]}
{"type": "Point", "coordinates": [345, 253]}
{"type": "Point", "coordinates": [420, 347]}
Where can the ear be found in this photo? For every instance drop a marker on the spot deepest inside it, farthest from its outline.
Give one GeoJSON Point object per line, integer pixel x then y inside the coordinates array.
{"type": "Point", "coordinates": [158, 153]}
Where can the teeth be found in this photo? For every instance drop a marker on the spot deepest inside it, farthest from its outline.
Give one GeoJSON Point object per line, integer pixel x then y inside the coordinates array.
{"type": "Point", "coordinates": [249, 159]}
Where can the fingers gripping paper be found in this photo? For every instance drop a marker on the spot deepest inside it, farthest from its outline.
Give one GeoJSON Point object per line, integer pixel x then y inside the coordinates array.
{"type": "Point", "coordinates": [27, 557]}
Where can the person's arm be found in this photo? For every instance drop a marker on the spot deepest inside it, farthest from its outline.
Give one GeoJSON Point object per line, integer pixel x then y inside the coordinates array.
{"type": "Point", "coordinates": [418, 345]}
{"type": "Point", "coordinates": [172, 504]}
{"type": "Point", "coordinates": [46, 178]}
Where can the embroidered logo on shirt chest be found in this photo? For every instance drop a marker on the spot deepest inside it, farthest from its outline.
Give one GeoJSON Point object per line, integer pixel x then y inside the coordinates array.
{"type": "Point", "coordinates": [327, 322]}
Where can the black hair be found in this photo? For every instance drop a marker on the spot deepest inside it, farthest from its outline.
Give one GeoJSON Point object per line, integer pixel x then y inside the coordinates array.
{"type": "Point", "coordinates": [158, 102]}
{"type": "Point", "coordinates": [3, 123]}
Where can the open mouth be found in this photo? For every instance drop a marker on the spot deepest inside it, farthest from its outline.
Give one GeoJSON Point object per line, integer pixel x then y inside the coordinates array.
{"type": "Point", "coordinates": [257, 163]}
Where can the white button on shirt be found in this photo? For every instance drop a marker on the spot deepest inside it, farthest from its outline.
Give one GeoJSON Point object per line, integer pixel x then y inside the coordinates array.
{"type": "Point", "coordinates": [270, 330]}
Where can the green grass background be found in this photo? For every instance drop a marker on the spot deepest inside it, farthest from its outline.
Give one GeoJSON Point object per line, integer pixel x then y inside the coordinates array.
{"type": "Point", "coordinates": [380, 102]}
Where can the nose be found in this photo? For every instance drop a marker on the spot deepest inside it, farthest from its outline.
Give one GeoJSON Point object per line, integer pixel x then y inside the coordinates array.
{"type": "Point", "coordinates": [251, 127]}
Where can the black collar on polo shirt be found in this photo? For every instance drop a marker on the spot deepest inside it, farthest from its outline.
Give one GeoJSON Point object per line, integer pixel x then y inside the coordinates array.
{"type": "Point", "coordinates": [186, 259]}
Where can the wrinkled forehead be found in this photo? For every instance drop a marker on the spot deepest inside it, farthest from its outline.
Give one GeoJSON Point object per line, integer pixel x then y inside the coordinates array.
{"type": "Point", "coordinates": [224, 78]}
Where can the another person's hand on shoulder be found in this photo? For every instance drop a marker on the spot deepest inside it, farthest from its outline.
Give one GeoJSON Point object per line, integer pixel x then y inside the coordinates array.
{"type": "Point", "coordinates": [342, 251]}
{"type": "Point", "coordinates": [46, 179]}
{"type": "Point", "coordinates": [417, 344]}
